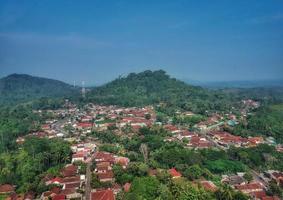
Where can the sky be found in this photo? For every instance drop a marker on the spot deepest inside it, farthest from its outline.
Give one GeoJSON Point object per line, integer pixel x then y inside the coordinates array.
{"type": "Point", "coordinates": [97, 40]}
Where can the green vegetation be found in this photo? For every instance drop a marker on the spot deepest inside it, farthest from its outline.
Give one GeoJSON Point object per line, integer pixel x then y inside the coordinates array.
{"type": "Point", "coordinates": [154, 87]}
{"type": "Point", "coordinates": [18, 88]}
{"type": "Point", "coordinates": [26, 167]}
{"type": "Point", "coordinates": [265, 121]}
{"type": "Point", "coordinates": [14, 122]}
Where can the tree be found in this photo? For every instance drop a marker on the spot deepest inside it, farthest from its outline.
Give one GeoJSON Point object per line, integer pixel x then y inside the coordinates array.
{"type": "Point", "coordinates": [274, 189]}
{"type": "Point", "coordinates": [224, 193]}
{"type": "Point", "coordinates": [144, 188]}
{"type": "Point", "coordinates": [144, 151]}
{"type": "Point", "coordinates": [248, 176]}
{"type": "Point", "coordinates": [193, 172]}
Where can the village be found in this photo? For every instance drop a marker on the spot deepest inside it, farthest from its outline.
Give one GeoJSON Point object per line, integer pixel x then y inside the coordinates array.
{"type": "Point", "coordinates": [90, 165]}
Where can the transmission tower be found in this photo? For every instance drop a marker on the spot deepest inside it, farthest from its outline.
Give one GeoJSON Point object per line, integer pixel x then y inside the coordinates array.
{"type": "Point", "coordinates": [83, 89]}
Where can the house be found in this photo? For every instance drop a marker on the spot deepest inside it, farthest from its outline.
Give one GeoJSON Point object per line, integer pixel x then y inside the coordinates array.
{"type": "Point", "coordinates": [250, 187]}
{"type": "Point", "coordinates": [103, 167]}
{"type": "Point", "coordinates": [69, 170]}
{"type": "Point", "coordinates": [199, 142]}
{"type": "Point", "coordinates": [254, 141]}
{"type": "Point", "coordinates": [276, 176]}
{"type": "Point", "coordinates": [127, 187]}
{"type": "Point", "coordinates": [6, 189]}
{"type": "Point", "coordinates": [123, 161]}
{"type": "Point", "coordinates": [104, 157]}
{"type": "Point", "coordinates": [233, 180]}
{"type": "Point", "coordinates": [185, 134]}
{"type": "Point", "coordinates": [208, 185]}
{"type": "Point", "coordinates": [59, 197]}
{"type": "Point", "coordinates": [102, 195]}
{"type": "Point", "coordinates": [79, 157]}
{"type": "Point", "coordinates": [84, 125]}
{"type": "Point", "coordinates": [56, 181]}
{"type": "Point", "coordinates": [107, 176]}
{"type": "Point", "coordinates": [174, 173]}
{"type": "Point", "coordinates": [71, 193]}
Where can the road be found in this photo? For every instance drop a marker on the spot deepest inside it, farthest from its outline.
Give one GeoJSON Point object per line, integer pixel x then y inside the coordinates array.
{"type": "Point", "coordinates": [88, 180]}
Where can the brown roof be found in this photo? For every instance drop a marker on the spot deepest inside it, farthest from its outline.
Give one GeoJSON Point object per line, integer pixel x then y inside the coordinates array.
{"type": "Point", "coordinates": [72, 185]}
{"type": "Point", "coordinates": [102, 195]}
{"type": "Point", "coordinates": [208, 185]}
{"type": "Point", "coordinates": [6, 188]}
{"type": "Point", "coordinates": [103, 164]}
{"type": "Point", "coordinates": [69, 170]}
{"type": "Point", "coordinates": [68, 191]}
{"type": "Point", "coordinates": [73, 179]}
{"type": "Point", "coordinates": [107, 175]}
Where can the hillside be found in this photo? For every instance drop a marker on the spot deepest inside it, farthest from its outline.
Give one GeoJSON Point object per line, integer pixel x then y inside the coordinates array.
{"type": "Point", "coordinates": [153, 87]}
{"type": "Point", "coordinates": [17, 88]}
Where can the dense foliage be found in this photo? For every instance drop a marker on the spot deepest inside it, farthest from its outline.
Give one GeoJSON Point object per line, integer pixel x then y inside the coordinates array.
{"type": "Point", "coordinates": [25, 167]}
{"type": "Point", "coordinates": [14, 122]}
{"type": "Point", "coordinates": [266, 121]}
{"type": "Point", "coordinates": [153, 87]}
{"type": "Point", "coordinates": [18, 88]}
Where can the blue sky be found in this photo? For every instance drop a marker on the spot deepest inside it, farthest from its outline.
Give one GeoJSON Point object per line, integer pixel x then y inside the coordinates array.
{"type": "Point", "coordinates": [98, 40]}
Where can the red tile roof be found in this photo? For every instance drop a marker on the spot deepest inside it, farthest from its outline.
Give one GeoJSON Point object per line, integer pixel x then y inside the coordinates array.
{"type": "Point", "coordinates": [57, 179]}
{"type": "Point", "coordinates": [85, 124]}
{"type": "Point", "coordinates": [250, 187]}
{"type": "Point", "coordinates": [127, 187]}
{"type": "Point", "coordinates": [174, 173]}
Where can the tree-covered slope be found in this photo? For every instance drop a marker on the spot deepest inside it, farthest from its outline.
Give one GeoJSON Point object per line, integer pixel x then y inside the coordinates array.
{"type": "Point", "coordinates": [152, 87]}
{"type": "Point", "coordinates": [18, 88]}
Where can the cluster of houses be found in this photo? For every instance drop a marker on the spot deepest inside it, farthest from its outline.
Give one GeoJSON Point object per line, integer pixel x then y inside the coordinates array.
{"type": "Point", "coordinates": [220, 139]}
{"type": "Point", "coordinates": [226, 140]}
{"type": "Point", "coordinates": [103, 170]}
{"type": "Point", "coordinates": [82, 152]}
{"type": "Point", "coordinates": [65, 186]}
{"type": "Point", "coordinates": [256, 189]}
{"type": "Point", "coordinates": [71, 184]}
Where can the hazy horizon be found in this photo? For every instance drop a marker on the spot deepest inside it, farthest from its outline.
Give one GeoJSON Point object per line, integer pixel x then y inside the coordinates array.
{"type": "Point", "coordinates": [96, 41]}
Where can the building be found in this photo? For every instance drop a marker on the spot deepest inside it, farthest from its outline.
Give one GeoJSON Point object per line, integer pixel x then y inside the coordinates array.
{"type": "Point", "coordinates": [102, 195]}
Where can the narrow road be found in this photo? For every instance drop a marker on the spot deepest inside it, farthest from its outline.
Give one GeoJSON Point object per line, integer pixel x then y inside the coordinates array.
{"type": "Point", "coordinates": [88, 180]}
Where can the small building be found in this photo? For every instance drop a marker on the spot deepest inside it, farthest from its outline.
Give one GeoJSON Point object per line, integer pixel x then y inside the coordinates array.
{"type": "Point", "coordinates": [174, 173]}
{"type": "Point", "coordinates": [102, 195]}
{"type": "Point", "coordinates": [6, 189]}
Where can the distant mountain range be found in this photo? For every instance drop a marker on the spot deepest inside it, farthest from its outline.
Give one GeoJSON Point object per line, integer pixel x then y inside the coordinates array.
{"type": "Point", "coordinates": [136, 89]}
{"type": "Point", "coordinates": [17, 88]}
{"type": "Point", "coordinates": [237, 84]}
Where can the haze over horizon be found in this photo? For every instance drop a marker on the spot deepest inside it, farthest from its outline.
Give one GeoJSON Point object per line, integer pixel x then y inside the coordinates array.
{"type": "Point", "coordinates": [96, 41]}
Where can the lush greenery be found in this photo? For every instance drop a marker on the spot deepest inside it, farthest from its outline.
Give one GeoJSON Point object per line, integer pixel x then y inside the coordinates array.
{"type": "Point", "coordinates": [266, 121]}
{"type": "Point", "coordinates": [18, 88]}
{"type": "Point", "coordinates": [154, 87]}
{"type": "Point", "coordinates": [14, 122]}
{"type": "Point", "coordinates": [26, 166]}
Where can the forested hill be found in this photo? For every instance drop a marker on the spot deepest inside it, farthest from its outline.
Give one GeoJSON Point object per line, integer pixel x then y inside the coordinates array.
{"type": "Point", "coordinates": [151, 87]}
{"type": "Point", "coordinates": [18, 88]}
